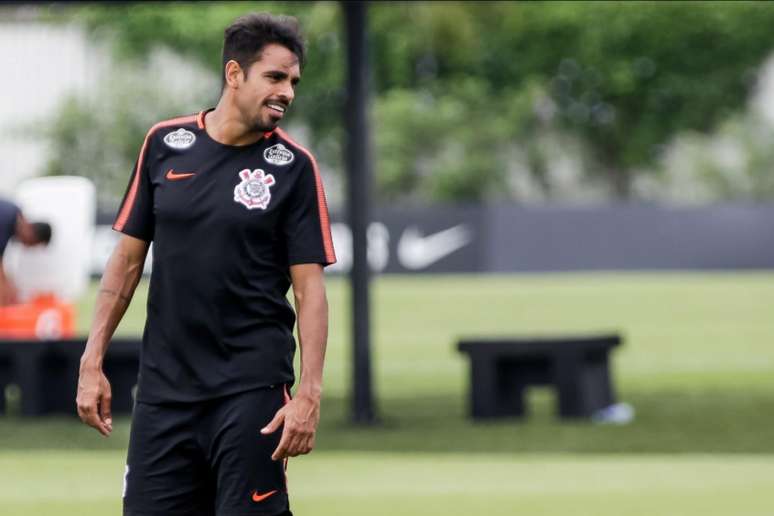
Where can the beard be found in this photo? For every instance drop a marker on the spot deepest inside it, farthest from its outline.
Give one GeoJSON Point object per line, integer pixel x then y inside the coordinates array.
{"type": "Point", "coordinates": [265, 122]}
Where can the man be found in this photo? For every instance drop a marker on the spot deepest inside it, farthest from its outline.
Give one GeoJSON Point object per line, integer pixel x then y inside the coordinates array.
{"type": "Point", "coordinates": [237, 213]}
{"type": "Point", "coordinates": [13, 224]}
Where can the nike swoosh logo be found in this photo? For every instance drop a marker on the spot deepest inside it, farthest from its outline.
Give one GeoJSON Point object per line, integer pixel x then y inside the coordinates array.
{"type": "Point", "coordinates": [261, 497]}
{"type": "Point", "coordinates": [176, 176]}
{"type": "Point", "coordinates": [417, 252]}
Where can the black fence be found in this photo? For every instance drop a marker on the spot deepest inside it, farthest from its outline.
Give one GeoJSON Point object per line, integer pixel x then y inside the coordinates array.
{"type": "Point", "coordinates": [510, 238]}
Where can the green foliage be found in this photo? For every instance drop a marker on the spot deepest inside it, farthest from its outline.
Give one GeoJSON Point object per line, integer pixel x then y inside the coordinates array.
{"type": "Point", "coordinates": [456, 84]}
{"type": "Point", "coordinates": [196, 31]}
{"type": "Point", "coordinates": [449, 145]}
{"type": "Point", "coordinates": [635, 77]}
{"type": "Point", "coordinates": [99, 136]}
{"type": "Point", "coordinates": [735, 162]}
{"type": "Point", "coordinates": [624, 78]}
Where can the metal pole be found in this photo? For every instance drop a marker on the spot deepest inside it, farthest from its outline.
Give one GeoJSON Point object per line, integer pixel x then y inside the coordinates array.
{"type": "Point", "coordinates": [359, 200]}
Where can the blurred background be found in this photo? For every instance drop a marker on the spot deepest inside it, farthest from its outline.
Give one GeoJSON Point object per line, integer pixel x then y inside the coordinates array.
{"type": "Point", "coordinates": [538, 169]}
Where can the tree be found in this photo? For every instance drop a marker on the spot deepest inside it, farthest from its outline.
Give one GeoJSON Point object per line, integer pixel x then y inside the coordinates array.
{"type": "Point", "coordinates": [625, 78]}
{"type": "Point", "coordinates": [457, 85]}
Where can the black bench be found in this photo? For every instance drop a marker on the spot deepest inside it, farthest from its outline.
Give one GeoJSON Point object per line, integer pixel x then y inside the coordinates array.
{"type": "Point", "coordinates": [502, 369]}
{"type": "Point", "coordinates": [46, 373]}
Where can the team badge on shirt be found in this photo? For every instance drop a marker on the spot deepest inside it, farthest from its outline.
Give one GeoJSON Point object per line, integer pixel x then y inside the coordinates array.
{"type": "Point", "coordinates": [253, 191]}
{"type": "Point", "coordinates": [278, 155]}
{"type": "Point", "coordinates": [180, 139]}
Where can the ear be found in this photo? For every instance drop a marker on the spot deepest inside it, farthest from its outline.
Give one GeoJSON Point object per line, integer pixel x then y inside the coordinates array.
{"type": "Point", "coordinates": [233, 73]}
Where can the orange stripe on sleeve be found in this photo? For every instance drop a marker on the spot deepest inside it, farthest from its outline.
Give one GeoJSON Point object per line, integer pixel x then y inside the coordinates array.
{"type": "Point", "coordinates": [126, 208]}
{"type": "Point", "coordinates": [322, 203]}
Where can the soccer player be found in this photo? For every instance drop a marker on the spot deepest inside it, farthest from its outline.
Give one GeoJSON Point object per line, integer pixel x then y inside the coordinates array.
{"type": "Point", "coordinates": [236, 211]}
{"type": "Point", "coordinates": [13, 224]}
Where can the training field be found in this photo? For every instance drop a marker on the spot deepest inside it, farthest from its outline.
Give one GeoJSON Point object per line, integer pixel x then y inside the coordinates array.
{"type": "Point", "coordinates": [697, 364]}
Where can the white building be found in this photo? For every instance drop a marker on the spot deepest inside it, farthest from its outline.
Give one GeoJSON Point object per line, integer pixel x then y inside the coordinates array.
{"type": "Point", "coordinates": [40, 63]}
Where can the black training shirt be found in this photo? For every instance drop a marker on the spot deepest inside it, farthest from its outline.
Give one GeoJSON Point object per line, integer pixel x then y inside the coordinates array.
{"type": "Point", "coordinates": [226, 223]}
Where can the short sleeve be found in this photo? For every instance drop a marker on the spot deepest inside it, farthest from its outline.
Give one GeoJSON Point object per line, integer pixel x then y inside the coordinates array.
{"type": "Point", "coordinates": [306, 223]}
{"type": "Point", "coordinates": [9, 213]}
{"type": "Point", "coordinates": [135, 217]}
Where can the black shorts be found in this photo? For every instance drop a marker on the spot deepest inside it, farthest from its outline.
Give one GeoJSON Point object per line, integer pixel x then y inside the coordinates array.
{"type": "Point", "coordinates": [207, 458]}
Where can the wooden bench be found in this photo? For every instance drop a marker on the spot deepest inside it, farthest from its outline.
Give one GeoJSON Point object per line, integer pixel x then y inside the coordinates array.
{"type": "Point", "coordinates": [502, 369]}
{"type": "Point", "coordinates": [46, 373]}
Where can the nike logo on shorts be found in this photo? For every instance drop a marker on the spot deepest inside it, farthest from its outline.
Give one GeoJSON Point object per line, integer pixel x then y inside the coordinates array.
{"type": "Point", "coordinates": [261, 497]}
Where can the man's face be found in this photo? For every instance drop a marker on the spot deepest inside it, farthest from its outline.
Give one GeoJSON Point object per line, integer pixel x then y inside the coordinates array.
{"type": "Point", "coordinates": [25, 233]}
{"type": "Point", "coordinates": [267, 92]}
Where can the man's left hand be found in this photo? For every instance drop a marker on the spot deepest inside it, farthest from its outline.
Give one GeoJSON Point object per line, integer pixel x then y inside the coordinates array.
{"type": "Point", "coordinates": [300, 417]}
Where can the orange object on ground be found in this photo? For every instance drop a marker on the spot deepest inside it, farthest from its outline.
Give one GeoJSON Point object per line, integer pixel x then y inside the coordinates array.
{"type": "Point", "coordinates": [43, 318]}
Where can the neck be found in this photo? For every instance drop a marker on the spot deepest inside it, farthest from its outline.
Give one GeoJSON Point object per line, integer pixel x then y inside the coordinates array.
{"type": "Point", "coordinates": [225, 125]}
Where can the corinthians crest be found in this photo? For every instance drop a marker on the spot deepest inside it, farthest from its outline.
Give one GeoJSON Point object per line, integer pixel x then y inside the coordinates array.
{"type": "Point", "coordinates": [253, 191]}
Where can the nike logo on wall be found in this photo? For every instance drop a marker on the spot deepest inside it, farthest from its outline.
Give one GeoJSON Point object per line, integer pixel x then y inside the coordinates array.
{"type": "Point", "coordinates": [176, 176]}
{"type": "Point", "coordinates": [417, 252]}
{"type": "Point", "coordinates": [261, 497]}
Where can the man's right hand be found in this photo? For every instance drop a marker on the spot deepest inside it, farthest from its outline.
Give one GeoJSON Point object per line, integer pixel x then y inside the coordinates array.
{"type": "Point", "coordinates": [93, 399]}
{"type": "Point", "coordinates": [122, 273]}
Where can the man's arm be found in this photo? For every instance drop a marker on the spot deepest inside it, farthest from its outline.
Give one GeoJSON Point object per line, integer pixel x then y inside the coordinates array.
{"type": "Point", "coordinates": [302, 414]}
{"type": "Point", "coordinates": [122, 273]}
{"type": "Point", "coordinates": [7, 288]}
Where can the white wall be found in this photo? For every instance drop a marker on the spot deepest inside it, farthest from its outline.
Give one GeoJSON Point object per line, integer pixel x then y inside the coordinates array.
{"type": "Point", "coordinates": [39, 64]}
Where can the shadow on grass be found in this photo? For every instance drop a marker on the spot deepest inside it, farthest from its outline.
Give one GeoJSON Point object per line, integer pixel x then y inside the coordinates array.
{"type": "Point", "coordinates": [666, 422]}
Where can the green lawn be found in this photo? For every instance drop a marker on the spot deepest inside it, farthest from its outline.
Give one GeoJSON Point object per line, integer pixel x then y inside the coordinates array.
{"type": "Point", "coordinates": [385, 484]}
{"type": "Point", "coordinates": [697, 364]}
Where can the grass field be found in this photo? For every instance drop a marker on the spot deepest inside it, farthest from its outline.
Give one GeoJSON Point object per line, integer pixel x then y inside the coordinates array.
{"type": "Point", "coordinates": [697, 365]}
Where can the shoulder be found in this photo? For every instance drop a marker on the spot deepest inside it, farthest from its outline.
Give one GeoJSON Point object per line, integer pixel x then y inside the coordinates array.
{"type": "Point", "coordinates": [299, 151]}
{"type": "Point", "coordinates": [8, 210]}
{"type": "Point", "coordinates": [183, 124]}
{"type": "Point", "coordinates": [7, 205]}
{"type": "Point", "coordinates": [177, 133]}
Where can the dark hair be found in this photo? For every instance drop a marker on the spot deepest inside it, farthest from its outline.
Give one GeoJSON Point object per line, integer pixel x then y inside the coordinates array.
{"type": "Point", "coordinates": [42, 232]}
{"type": "Point", "coordinates": [244, 39]}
